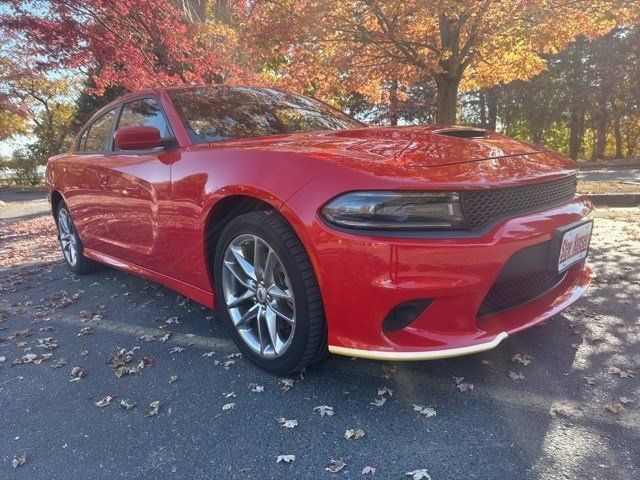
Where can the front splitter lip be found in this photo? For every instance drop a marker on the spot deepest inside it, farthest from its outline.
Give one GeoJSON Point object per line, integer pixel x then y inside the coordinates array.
{"type": "Point", "coordinates": [419, 355]}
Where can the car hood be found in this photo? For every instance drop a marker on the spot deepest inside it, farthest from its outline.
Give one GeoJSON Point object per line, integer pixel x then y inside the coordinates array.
{"type": "Point", "coordinates": [402, 151]}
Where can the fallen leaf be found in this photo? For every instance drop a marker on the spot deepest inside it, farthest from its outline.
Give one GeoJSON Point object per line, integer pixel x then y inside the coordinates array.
{"type": "Point", "coordinates": [378, 402]}
{"type": "Point", "coordinates": [621, 373]}
{"type": "Point", "coordinates": [426, 411]}
{"type": "Point", "coordinates": [153, 409]}
{"type": "Point", "coordinates": [173, 378]}
{"type": "Point", "coordinates": [352, 434]}
{"type": "Point", "coordinates": [522, 359]}
{"type": "Point", "coordinates": [385, 391]}
{"type": "Point", "coordinates": [626, 400]}
{"type": "Point", "coordinates": [335, 466]}
{"type": "Point", "coordinates": [462, 386]}
{"type": "Point", "coordinates": [590, 380]}
{"type": "Point", "coordinates": [613, 407]}
{"type": "Point", "coordinates": [85, 331]}
{"type": "Point", "coordinates": [127, 404]}
{"type": "Point", "coordinates": [19, 460]}
{"type": "Point", "coordinates": [516, 376]}
{"type": "Point", "coordinates": [283, 422]}
{"type": "Point", "coordinates": [60, 362]}
{"type": "Point", "coordinates": [419, 474]}
{"type": "Point", "coordinates": [104, 402]}
{"type": "Point", "coordinates": [287, 384]}
{"type": "Point", "coordinates": [368, 470]}
{"type": "Point", "coordinates": [77, 373]}
{"type": "Point", "coordinates": [256, 388]}
{"type": "Point", "coordinates": [228, 406]}
{"type": "Point", "coordinates": [324, 410]}
{"type": "Point", "coordinates": [209, 354]}
{"type": "Point", "coordinates": [176, 350]}
{"type": "Point", "coordinates": [285, 458]}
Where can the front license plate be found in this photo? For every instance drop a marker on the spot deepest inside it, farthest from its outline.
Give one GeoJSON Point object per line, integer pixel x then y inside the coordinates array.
{"type": "Point", "coordinates": [574, 245]}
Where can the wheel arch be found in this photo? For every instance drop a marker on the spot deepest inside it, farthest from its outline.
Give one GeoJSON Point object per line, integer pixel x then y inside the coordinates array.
{"type": "Point", "coordinates": [56, 198]}
{"type": "Point", "coordinates": [235, 204]}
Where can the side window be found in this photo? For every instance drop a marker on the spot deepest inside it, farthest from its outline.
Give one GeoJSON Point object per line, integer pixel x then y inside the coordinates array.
{"type": "Point", "coordinates": [144, 112]}
{"type": "Point", "coordinates": [98, 133]}
{"type": "Point", "coordinates": [81, 141]}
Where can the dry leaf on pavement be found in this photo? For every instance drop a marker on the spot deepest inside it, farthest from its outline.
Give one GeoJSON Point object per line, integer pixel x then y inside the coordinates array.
{"type": "Point", "coordinates": [426, 411]}
{"type": "Point", "coordinates": [19, 460]}
{"type": "Point", "coordinates": [228, 406]}
{"type": "Point", "coordinates": [378, 402]}
{"type": "Point", "coordinates": [419, 474]}
{"type": "Point", "coordinates": [352, 434]}
{"type": "Point", "coordinates": [368, 470]}
{"type": "Point", "coordinates": [516, 376]}
{"type": "Point", "coordinates": [522, 359]}
{"type": "Point", "coordinates": [285, 458]}
{"type": "Point", "coordinates": [127, 404]}
{"type": "Point", "coordinates": [283, 422]}
{"type": "Point", "coordinates": [335, 466]}
{"type": "Point", "coordinates": [385, 391]}
{"type": "Point", "coordinates": [462, 385]}
{"type": "Point", "coordinates": [324, 410]}
{"type": "Point", "coordinates": [153, 409]}
{"type": "Point", "coordinates": [173, 378]}
{"type": "Point", "coordinates": [77, 373]}
{"type": "Point", "coordinates": [104, 402]}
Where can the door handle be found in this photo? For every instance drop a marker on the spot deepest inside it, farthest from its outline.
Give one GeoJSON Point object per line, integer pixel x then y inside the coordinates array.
{"type": "Point", "coordinates": [103, 180]}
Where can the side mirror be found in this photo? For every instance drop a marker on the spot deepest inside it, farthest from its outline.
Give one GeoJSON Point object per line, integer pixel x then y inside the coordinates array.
{"type": "Point", "coordinates": [137, 138]}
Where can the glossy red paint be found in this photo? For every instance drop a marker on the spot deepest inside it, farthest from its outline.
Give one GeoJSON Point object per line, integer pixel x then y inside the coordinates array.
{"type": "Point", "coordinates": [147, 212]}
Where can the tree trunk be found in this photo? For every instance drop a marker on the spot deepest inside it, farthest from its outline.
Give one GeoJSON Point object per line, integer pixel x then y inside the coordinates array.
{"type": "Point", "coordinates": [393, 102]}
{"type": "Point", "coordinates": [446, 99]}
{"type": "Point", "coordinates": [617, 134]}
{"type": "Point", "coordinates": [601, 129]}
{"type": "Point", "coordinates": [576, 131]}
{"type": "Point", "coordinates": [482, 106]}
{"type": "Point", "coordinates": [492, 109]}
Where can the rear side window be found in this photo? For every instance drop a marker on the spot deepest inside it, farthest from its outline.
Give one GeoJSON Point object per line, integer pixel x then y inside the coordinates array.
{"type": "Point", "coordinates": [97, 134]}
{"type": "Point", "coordinates": [144, 112]}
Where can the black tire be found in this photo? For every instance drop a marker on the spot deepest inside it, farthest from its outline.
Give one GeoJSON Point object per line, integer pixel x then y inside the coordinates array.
{"type": "Point", "coordinates": [83, 264]}
{"type": "Point", "coordinates": [309, 344]}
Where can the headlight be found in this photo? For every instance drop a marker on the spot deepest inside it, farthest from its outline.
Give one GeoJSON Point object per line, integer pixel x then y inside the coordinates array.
{"type": "Point", "coordinates": [406, 210]}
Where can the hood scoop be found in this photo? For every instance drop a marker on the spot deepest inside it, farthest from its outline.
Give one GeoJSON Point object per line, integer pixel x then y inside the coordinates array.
{"type": "Point", "coordinates": [463, 132]}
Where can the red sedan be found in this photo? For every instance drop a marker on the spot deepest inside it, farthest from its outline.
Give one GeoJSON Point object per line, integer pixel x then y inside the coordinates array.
{"type": "Point", "coordinates": [311, 232]}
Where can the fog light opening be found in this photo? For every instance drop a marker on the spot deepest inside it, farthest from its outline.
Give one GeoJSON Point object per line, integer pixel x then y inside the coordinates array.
{"type": "Point", "coordinates": [402, 315]}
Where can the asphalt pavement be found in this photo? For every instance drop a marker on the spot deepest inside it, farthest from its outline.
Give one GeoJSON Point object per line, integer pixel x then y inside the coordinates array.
{"type": "Point", "coordinates": [559, 401]}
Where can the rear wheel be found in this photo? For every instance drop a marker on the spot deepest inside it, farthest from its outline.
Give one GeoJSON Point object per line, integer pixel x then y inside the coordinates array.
{"type": "Point", "coordinates": [72, 249]}
{"type": "Point", "coordinates": [268, 293]}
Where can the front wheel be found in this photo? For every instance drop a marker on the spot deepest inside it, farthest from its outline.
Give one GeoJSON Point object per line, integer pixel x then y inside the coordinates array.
{"type": "Point", "coordinates": [267, 291]}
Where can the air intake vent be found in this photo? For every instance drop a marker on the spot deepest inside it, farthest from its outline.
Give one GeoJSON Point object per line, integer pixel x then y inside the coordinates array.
{"type": "Point", "coordinates": [463, 132]}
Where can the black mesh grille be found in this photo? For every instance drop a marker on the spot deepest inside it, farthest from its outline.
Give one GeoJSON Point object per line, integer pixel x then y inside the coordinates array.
{"type": "Point", "coordinates": [518, 290]}
{"type": "Point", "coordinates": [481, 206]}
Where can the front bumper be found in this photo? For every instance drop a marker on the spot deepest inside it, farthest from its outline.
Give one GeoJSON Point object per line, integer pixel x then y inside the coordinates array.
{"type": "Point", "coordinates": [363, 277]}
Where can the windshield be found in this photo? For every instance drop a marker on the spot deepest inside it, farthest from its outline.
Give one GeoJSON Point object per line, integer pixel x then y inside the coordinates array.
{"type": "Point", "coordinates": [214, 114]}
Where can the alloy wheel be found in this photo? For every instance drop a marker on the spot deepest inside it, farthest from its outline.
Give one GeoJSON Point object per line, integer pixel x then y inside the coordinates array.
{"type": "Point", "coordinates": [68, 237]}
{"type": "Point", "coordinates": [258, 295]}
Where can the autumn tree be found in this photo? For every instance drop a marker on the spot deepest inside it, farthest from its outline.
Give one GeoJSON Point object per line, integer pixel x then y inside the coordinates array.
{"type": "Point", "coordinates": [365, 44]}
{"type": "Point", "coordinates": [129, 43]}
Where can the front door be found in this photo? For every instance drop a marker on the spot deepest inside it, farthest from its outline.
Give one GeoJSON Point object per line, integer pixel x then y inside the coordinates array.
{"type": "Point", "coordinates": [135, 190]}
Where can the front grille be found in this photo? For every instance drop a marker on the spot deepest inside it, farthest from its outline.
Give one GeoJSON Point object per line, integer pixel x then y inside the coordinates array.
{"type": "Point", "coordinates": [482, 206]}
{"type": "Point", "coordinates": [507, 294]}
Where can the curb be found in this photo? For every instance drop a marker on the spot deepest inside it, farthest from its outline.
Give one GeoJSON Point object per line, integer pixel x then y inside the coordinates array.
{"type": "Point", "coordinates": [615, 199]}
{"type": "Point", "coordinates": [611, 166]}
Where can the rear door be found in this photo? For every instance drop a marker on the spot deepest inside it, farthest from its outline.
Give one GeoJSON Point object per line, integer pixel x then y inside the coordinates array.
{"type": "Point", "coordinates": [135, 188]}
